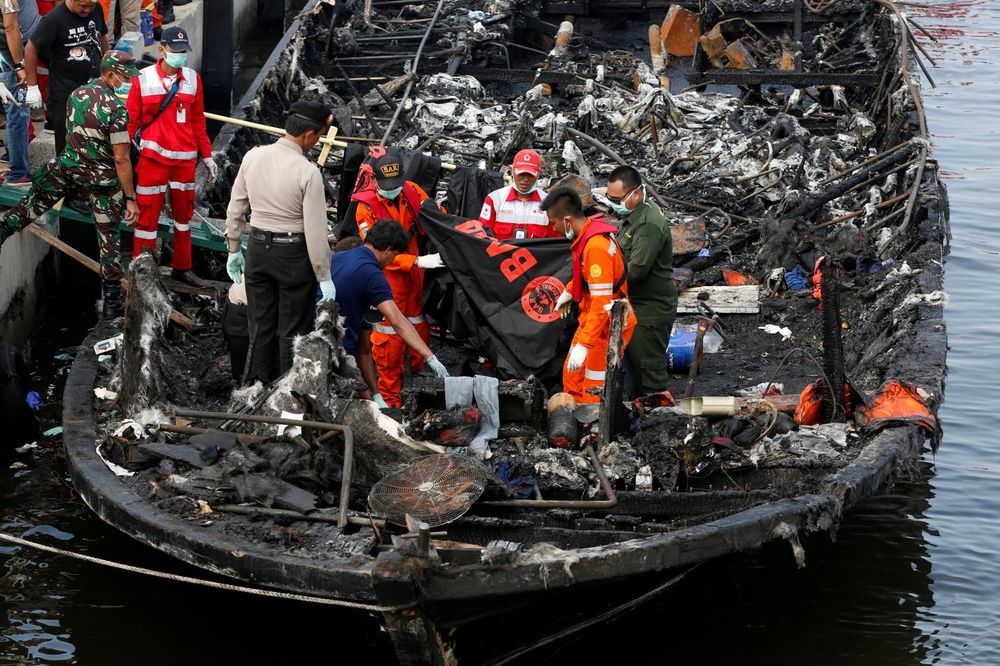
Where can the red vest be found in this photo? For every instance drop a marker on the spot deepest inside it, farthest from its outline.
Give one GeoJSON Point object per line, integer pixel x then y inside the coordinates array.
{"type": "Point", "coordinates": [371, 199]}
{"type": "Point", "coordinates": [596, 227]}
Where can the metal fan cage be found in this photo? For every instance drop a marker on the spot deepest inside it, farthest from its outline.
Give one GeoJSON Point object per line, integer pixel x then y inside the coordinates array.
{"type": "Point", "coordinates": [435, 489]}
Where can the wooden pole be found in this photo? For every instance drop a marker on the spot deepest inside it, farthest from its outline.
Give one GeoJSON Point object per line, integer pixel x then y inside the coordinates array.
{"type": "Point", "coordinates": [327, 141]}
{"type": "Point", "coordinates": [175, 316]}
{"type": "Point", "coordinates": [614, 378]}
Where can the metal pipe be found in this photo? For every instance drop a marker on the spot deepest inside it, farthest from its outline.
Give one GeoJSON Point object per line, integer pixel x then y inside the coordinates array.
{"type": "Point", "coordinates": [413, 70]}
{"type": "Point", "coordinates": [190, 430]}
{"type": "Point", "coordinates": [345, 482]}
{"type": "Point", "coordinates": [269, 512]}
{"type": "Point", "coordinates": [585, 505]}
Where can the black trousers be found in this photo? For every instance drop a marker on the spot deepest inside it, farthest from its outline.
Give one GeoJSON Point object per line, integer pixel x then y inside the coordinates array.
{"type": "Point", "coordinates": [281, 299]}
{"type": "Point", "coordinates": [57, 116]}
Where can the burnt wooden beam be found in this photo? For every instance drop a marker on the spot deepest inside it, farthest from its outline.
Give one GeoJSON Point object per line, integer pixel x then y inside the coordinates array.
{"type": "Point", "coordinates": [612, 409]}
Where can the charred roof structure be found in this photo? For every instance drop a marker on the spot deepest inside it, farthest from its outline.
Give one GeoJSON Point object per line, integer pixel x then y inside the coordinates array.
{"type": "Point", "coordinates": [787, 144]}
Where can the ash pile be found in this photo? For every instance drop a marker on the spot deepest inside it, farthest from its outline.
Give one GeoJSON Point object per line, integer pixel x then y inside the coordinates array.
{"type": "Point", "coordinates": [821, 190]}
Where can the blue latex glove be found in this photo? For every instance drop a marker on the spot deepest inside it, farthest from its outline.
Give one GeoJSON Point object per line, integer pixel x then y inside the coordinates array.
{"type": "Point", "coordinates": [329, 291]}
{"type": "Point", "coordinates": [235, 265]}
{"type": "Point", "coordinates": [380, 401]}
{"type": "Point", "coordinates": [437, 366]}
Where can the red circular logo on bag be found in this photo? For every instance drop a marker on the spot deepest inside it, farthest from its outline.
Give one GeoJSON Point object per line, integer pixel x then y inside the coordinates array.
{"type": "Point", "coordinates": [539, 298]}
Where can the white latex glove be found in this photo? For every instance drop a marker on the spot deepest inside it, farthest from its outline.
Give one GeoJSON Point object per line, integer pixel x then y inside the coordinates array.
{"type": "Point", "coordinates": [328, 289]}
{"type": "Point", "coordinates": [213, 168]}
{"type": "Point", "coordinates": [34, 99]}
{"type": "Point", "coordinates": [6, 96]}
{"type": "Point", "coordinates": [235, 265]}
{"type": "Point", "coordinates": [577, 357]}
{"type": "Point", "coordinates": [380, 401]}
{"type": "Point", "coordinates": [563, 302]}
{"type": "Point", "coordinates": [430, 261]}
{"type": "Point", "coordinates": [437, 366]}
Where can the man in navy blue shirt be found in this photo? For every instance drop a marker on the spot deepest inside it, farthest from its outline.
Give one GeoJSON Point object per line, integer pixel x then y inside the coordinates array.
{"type": "Point", "coordinates": [364, 297]}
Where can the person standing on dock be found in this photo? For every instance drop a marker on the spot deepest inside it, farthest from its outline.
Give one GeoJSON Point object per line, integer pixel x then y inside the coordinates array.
{"type": "Point", "coordinates": [20, 18]}
{"type": "Point", "coordinates": [288, 252]}
{"type": "Point", "coordinates": [94, 166]}
{"type": "Point", "coordinates": [167, 119]}
{"type": "Point", "coordinates": [599, 278]}
{"type": "Point", "coordinates": [515, 211]}
{"type": "Point", "coordinates": [395, 198]}
{"type": "Point", "coordinates": [71, 38]}
{"type": "Point", "coordinates": [645, 239]}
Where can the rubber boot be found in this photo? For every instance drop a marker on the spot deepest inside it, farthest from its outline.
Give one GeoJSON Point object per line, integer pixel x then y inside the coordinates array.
{"type": "Point", "coordinates": [114, 300]}
{"type": "Point", "coordinates": [166, 10]}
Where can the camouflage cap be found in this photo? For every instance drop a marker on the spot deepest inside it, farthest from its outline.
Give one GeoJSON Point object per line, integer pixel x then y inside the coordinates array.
{"type": "Point", "coordinates": [120, 63]}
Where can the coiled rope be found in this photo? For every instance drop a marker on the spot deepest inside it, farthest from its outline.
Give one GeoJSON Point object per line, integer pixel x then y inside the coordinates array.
{"type": "Point", "coordinates": [273, 594]}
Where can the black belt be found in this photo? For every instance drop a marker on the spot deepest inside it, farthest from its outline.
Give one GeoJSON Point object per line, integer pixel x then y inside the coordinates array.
{"type": "Point", "coordinates": [277, 237]}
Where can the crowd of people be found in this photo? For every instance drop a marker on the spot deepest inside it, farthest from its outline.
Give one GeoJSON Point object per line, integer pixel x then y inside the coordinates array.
{"type": "Point", "coordinates": [102, 105]}
{"type": "Point", "coordinates": [377, 278]}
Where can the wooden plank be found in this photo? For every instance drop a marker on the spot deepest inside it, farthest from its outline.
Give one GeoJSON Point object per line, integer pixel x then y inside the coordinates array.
{"type": "Point", "coordinates": [723, 300]}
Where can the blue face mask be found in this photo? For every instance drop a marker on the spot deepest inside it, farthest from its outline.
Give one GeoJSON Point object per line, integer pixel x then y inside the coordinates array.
{"type": "Point", "coordinates": [620, 209]}
{"type": "Point", "coordinates": [176, 60]}
{"type": "Point", "coordinates": [389, 194]}
{"type": "Point", "coordinates": [124, 88]}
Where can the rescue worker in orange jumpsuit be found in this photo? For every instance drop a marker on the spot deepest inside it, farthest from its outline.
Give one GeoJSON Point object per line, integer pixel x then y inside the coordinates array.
{"type": "Point", "coordinates": [514, 211]}
{"type": "Point", "coordinates": [172, 138]}
{"type": "Point", "coordinates": [599, 278]}
{"type": "Point", "coordinates": [395, 198]}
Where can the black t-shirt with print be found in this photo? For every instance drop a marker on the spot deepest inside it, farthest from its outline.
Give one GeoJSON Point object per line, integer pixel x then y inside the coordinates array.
{"type": "Point", "coordinates": [71, 45]}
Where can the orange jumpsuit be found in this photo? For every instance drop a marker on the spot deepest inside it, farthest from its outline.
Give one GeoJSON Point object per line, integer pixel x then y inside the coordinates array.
{"type": "Point", "coordinates": [602, 269]}
{"type": "Point", "coordinates": [406, 280]}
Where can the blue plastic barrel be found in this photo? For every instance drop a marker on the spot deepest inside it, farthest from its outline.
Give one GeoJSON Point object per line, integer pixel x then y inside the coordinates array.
{"type": "Point", "coordinates": [680, 349]}
{"type": "Point", "coordinates": [146, 24]}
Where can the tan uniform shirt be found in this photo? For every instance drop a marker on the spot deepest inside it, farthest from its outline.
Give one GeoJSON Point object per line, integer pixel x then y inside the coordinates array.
{"type": "Point", "coordinates": [284, 192]}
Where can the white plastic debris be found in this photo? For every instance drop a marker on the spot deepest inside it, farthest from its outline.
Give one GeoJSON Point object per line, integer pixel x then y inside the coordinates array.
{"type": "Point", "coordinates": [290, 431]}
{"type": "Point", "coordinates": [131, 429]}
{"type": "Point", "coordinates": [116, 469]}
{"type": "Point", "coordinates": [109, 344]}
{"type": "Point", "coordinates": [27, 447]}
{"type": "Point", "coordinates": [644, 478]}
{"type": "Point", "coordinates": [757, 390]}
{"type": "Point", "coordinates": [774, 329]}
{"type": "Point", "coordinates": [104, 394]}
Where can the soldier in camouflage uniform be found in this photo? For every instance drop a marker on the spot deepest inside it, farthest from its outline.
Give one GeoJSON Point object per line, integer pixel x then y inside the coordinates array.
{"type": "Point", "coordinates": [95, 165]}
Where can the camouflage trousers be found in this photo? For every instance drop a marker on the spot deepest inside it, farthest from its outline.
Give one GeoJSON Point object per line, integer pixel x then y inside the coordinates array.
{"type": "Point", "coordinates": [53, 182]}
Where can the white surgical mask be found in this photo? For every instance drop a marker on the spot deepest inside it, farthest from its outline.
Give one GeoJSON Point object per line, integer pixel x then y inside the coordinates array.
{"type": "Point", "coordinates": [534, 186]}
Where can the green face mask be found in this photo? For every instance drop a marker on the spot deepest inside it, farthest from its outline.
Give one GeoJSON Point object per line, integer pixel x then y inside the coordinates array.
{"type": "Point", "coordinates": [569, 233]}
{"type": "Point", "coordinates": [176, 60]}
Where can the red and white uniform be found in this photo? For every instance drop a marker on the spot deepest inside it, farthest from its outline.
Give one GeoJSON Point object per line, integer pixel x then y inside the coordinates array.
{"type": "Point", "coordinates": [511, 217]}
{"type": "Point", "coordinates": [168, 155]}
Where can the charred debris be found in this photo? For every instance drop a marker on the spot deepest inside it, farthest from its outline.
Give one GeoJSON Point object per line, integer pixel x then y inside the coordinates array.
{"type": "Point", "coordinates": [786, 142]}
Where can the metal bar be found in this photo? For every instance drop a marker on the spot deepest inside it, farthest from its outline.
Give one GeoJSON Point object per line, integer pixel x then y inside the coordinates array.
{"type": "Point", "coordinates": [191, 430]}
{"type": "Point", "coordinates": [775, 77]}
{"type": "Point", "coordinates": [269, 512]}
{"type": "Point", "coordinates": [568, 504]}
{"type": "Point", "coordinates": [413, 70]}
{"type": "Point", "coordinates": [345, 483]}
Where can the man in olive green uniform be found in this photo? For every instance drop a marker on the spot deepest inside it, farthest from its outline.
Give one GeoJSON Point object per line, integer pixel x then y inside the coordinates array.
{"type": "Point", "coordinates": [644, 237]}
{"type": "Point", "coordinates": [95, 165]}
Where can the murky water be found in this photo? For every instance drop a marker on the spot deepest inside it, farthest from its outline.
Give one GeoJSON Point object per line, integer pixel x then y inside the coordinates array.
{"type": "Point", "coordinates": [910, 579]}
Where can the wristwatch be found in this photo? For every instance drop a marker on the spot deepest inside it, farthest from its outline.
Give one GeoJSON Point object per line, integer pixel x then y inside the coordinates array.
{"type": "Point", "coordinates": [130, 197]}
{"type": "Point", "coordinates": [19, 66]}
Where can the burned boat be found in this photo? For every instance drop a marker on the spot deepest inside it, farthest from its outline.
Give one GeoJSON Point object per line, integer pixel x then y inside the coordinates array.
{"type": "Point", "coordinates": [785, 140]}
